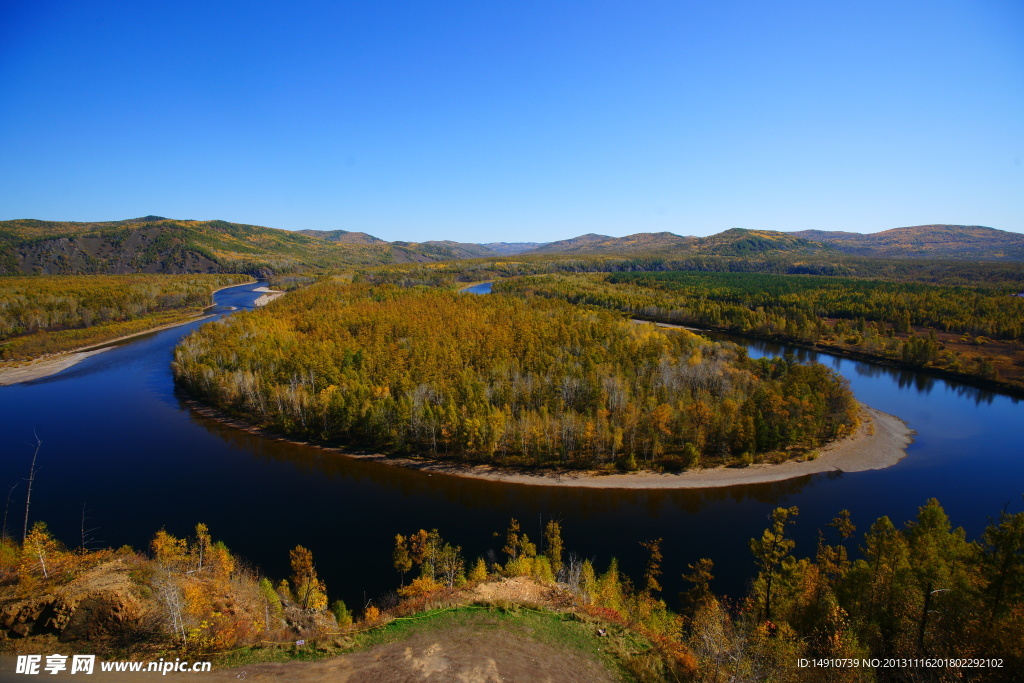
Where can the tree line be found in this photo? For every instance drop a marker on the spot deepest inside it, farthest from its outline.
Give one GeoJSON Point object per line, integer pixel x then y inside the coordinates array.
{"type": "Point", "coordinates": [37, 312]}
{"type": "Point", "coordinates": [1007, 276]}
{"type": "Point", "coordinates": [526, 381]}
{"type": "Point", "coordinates": [917, 591]}
{"type": "Point", "coordinates": [878, 318]}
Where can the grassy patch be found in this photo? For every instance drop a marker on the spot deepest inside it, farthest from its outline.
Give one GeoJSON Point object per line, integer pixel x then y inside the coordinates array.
{"type": "Point", "coordinates": [280, 653]}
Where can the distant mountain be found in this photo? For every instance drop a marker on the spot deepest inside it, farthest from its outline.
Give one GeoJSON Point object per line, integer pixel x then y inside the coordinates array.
{"type": "Point", "coordinates": [741, 242]}
{"type": "Point", "coordinates": [512, 248]}
{"type": "Point", "coordinates": [923, 241]}
{"type": "Point", "coordinates": [602, 244]}
{"type": "Point", "coordinates": [159, 245]}
{"type": "Point", "coordinates": [972, 242]}
{"type": "Point", "coordinates": [443, 249]}
{"type": "Point", "coordinates": [343, 236]}
{"type": "Point", "coordinates": [455, 250]}
{"type": "Point", "coordinates": [734, 242]}
{"type": "Point", "coordinates": [153, 244]}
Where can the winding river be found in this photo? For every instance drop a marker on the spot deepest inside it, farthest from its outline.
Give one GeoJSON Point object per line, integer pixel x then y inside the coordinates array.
{"type": "Point", "coordinates": [120, 444]}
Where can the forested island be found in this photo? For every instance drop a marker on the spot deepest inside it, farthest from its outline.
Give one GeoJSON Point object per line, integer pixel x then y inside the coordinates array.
{"type": "Point", "coordinates": [506, 380]}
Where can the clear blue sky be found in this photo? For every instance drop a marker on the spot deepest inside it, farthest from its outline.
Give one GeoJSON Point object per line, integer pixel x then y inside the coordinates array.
{"type": "Point", "coordinates": [493, 120]}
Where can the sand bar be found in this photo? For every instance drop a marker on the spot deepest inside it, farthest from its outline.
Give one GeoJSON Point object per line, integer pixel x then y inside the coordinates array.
{"type": "Point", "coordinates": [268, 296]}
{"type": "Point", "coordinates": [43, 367]}
{"type": "Point", "coordinates": [880, 441]}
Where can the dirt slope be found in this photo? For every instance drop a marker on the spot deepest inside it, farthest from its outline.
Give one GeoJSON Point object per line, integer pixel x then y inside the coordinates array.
{"type": "Point", "coordinates": [469, 655]}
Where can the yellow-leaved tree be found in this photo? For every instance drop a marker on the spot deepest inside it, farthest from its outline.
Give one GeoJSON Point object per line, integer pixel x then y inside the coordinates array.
{"type": "Point", "coordinates": [310, 592]}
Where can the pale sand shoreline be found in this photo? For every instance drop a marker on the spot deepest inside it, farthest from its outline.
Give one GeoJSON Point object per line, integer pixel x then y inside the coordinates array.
{"type": "Point", "coordinates": [56, 363]}
{"type": "Point", "coordinates": [270, 295]}
{"type": "Point", "coordinates": [881, 441]}
{"type": "Point", "coordinates": [44, 366]}
{"type": "Point", "coordinates": [51, 364]}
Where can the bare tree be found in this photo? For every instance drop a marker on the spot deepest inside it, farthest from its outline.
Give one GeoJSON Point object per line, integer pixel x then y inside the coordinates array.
{"type": "Point", "coordinates": [7, 507]}
{"type": "Point", "coordinates": [571, 571]}
{"type": "Point", "coordinates": [31, 478]}
{"type": "Point", "coordinates": [170, 596]}
{"type": "Point", "coordinates": [42, 558]}
{"type": "Point", "coordinates": [87, 537]}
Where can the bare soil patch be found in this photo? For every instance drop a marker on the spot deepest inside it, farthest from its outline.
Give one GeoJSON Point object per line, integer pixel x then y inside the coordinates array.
{"type": "Point", "coordinates": [518, 590]}
{"type": "Point", "coordinates": [469, 654]}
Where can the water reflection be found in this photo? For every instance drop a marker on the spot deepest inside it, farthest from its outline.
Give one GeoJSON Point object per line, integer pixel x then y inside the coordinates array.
{"type": "Point", "coordinates": [919, 380]}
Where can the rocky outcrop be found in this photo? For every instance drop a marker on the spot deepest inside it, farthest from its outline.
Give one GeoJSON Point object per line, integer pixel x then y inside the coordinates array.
{"type": "Point", "coordinates": [141, 251]}
{"type": "Point", "coordinates": [102, 602]}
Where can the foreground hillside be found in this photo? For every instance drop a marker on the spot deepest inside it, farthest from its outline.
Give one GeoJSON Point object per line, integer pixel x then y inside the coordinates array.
{"type": "Point", "coordinates": [918, 591]}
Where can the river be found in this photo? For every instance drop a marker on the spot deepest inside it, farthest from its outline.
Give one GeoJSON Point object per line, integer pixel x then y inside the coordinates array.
{"type": "Point", "coordinates": [118, 440]}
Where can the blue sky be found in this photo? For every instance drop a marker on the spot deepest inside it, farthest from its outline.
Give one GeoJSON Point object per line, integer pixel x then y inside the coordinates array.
{"type": "Point", "coordinates": [515, 121]}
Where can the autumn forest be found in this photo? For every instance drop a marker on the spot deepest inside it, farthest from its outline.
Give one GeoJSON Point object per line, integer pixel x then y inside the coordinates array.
{"type": "Point", "coordinates": [596, 361]}
{"type": "Point", "coordinates": [508, 380]}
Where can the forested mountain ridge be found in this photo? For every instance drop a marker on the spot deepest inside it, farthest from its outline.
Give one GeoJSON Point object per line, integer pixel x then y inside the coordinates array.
{"type": "Point", "coordinates": [447, 249]}
{"type": "Point", "coordinates": [597, 244]}
{"type": "Point", "coordinates": [511, 248]}
{"type": "Point", "coordinates": [160, 245]}
{"type": "Point", "coordinates": [732, 242]}
{"type": "Point", "coordinates": [344, 236]}
{"type": "Point", "coordinates": [742, 242]}
{"type": "Point", "coordinates": [927, 241]}
{"type": "Point", "coordinates": [451, 249]}
{"type": "Point", "coordinates": [960, 242]}
{"type": "Point", "coordinates": [153, 244]}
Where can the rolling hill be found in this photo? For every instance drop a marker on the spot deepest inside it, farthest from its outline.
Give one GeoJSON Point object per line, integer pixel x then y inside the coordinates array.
{"type": "Point", "coordinates": [973, 242]}
{"type": "Point", "coordinates": [343, 236]}
{"type": "Point", "coordinates": [154, 244]}
{"type": "Point", "coordinates": [603, 244]}
{"type": "Point", "coordinates": [511, 248]}
{"type": "Point", "coordinates": [733, 242]}
{"type": "Point", "coordinates": [920, 242]}
{"type": "Point", "coordinates": [453, 250]}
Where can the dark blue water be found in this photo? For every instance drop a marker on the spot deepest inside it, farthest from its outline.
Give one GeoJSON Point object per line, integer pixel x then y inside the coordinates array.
{"type": "Point", "coordinates": [118, 439]}
{"type": "Point", "coordinates": [482, 288]}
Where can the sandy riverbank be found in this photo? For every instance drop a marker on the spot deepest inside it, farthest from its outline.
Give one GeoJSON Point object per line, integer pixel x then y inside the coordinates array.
{"type": "Point", "coordinates": [268, 296]}
{"type": "Point", "coordinates": [51, 364]}
{"type": "Point", "coordinates": [54, 363]}
{"type": "Point", "coordinates": [881, 441]}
